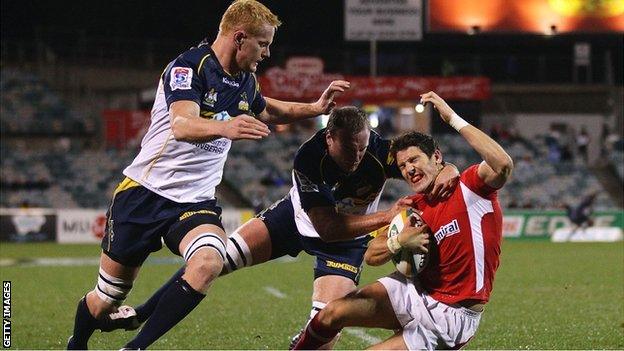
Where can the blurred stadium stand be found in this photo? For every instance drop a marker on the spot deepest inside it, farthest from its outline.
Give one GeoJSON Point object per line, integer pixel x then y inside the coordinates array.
{"type": "Point", "coordinates": [30, 107]}
{"type": "Point", "coordinates": [63, 172]}
{"type": "Point", "coordinates": [56, 81]}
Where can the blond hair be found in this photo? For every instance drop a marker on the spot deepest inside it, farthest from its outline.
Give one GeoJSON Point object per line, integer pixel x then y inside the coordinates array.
{"type": "Point", "coordinates": [248, 14]}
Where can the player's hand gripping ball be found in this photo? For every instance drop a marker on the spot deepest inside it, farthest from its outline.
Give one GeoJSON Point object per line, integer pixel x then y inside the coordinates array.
{"type": "Point", "coordinates": [406, 262]}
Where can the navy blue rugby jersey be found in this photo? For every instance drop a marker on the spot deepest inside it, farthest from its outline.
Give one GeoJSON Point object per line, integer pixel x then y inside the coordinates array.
{"type": "Point", "coordinates": [197, 75]}
{"type": "Point", "coordinates": [318, 181]}
{"type": "Point", "coordinates": [189, 171]}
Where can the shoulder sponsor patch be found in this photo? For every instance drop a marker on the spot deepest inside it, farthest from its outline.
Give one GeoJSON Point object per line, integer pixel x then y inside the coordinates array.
{"type": "Point", "coordinates": [181, 78]}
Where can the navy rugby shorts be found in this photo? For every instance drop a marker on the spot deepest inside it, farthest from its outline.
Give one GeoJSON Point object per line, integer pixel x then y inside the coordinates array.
{"type": "Point", "coordinates": [138, 218]}
{"type": "Point", "coordinates": [342, 258]}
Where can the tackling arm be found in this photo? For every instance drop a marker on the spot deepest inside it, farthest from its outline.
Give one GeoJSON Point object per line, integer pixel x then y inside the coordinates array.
{"type": "Point", "coordinates": [334, 226]}
{"type": "Point", "coordinates": [283, 112]}
{"type": "Point", "coordinates": [377, 252]}
{"type": "Point", "coordinates": [445, 182]}
{"type": "Point", "coordinates": [413, 237]}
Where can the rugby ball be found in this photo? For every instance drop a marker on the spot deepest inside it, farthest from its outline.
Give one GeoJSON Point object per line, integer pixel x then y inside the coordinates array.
{"type": "Point", "coordinates": [406, 262]}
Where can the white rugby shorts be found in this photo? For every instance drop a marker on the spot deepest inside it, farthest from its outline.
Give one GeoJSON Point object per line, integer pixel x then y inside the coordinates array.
{"type": "Point", "coordinates": [428, 323]}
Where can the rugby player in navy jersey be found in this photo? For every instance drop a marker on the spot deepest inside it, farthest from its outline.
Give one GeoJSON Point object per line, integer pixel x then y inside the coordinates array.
{"type": "Point", "coordinates": [206, 97]}
{"type": "Point", "coordinates": [338, 178]}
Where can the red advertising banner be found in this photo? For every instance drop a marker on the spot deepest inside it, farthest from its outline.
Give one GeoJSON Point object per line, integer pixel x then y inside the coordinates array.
{"type": "Point", "coordinates": [124, 127]}
{"type": "Point", "coordinates": [280, 84]}
{"type": "Point", "coordinates": [526, 16]}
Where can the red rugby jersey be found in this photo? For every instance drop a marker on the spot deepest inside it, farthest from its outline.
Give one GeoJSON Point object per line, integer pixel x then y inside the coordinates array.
{"type": "Point", "coordinates": [465, 245]}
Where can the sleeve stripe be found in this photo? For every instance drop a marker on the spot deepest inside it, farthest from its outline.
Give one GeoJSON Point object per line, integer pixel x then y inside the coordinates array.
{"type": "Point", "coordinates": [201, 63]}
{"type": "Point", "coordinates": [257, 87]}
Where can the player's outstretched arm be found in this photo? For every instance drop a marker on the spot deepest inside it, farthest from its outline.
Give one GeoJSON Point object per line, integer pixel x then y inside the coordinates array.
{"type": "Point", "coordinates": [188, 126]}
{"type": "Point", "coordinates": [283, 112]}
{"type": "Point", "coordinates": [334, 226]}
{"type": "Point", "coordinates": [497, 165]}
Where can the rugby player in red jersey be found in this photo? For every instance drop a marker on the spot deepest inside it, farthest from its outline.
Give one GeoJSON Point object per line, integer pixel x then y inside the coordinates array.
{"type": "Point", "coordinates": [442, 307]}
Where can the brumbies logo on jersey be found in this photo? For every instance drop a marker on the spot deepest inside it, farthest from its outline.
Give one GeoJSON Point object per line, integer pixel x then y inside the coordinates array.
{"type": "Point", "coordinates": [447, 230]}
{"type": "Point", "coordinates": [211, 98]}
{"type": "Point", "coordinates": [243, 105]}
{"type": "Point", "coordinates": [181, 78]}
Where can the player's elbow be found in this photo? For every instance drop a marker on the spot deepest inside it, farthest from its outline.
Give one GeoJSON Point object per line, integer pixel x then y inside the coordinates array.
{"type": "Point", "coordinates": [371, 259]}
{"type": "Point", "coordinates": [505, 167]}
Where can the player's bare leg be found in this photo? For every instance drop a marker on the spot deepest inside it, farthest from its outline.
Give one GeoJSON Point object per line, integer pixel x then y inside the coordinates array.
{"type": "Point", "coordinates": [203, 249]}
{"type": "Point", "coordinates": [331, 287]}
{"type": "Point", "coordinates": [114, 283]}
{"type": "Point", "coordinates": [326, 289]}
{"type": "Point", "coordinates": [395, 342]}
{"type": "Point", "coordinates": [205, 265]}
{"type": "Point", "coordinates": [96, 305]}
{"type": "Point", "coordinates": [367, 307]}
{"type": "Point", "coordinates": [249, 245]}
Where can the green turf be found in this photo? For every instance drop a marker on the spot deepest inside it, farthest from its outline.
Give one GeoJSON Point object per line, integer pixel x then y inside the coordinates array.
{"type": "Point", "coordinates": [546, 296]}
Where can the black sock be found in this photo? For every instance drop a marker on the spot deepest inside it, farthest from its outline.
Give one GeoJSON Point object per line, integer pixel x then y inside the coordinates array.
{"type": "Point", "coordinates": [176, 303]}
{"type": "Point", "coordinates": [146, 309]}
{"type": "Point", "coordinates": [84, 326]}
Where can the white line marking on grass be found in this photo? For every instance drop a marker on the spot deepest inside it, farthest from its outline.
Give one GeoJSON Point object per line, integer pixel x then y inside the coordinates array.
{"type": "Point", "coordinates": [271, 290]}
{"type": "Point", "coordinates": [4, 262]}
{"type": "Point", "coordinates": [76, 261]}
{"type": "Point", "coordinates": [361, 334]}
{"type": "Point", "coordinates": [51, 262]}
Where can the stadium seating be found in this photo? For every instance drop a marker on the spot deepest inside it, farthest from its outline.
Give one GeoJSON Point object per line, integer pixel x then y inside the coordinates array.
{"type": "Point", "coordinates": [29, 107]}
{"type": "Point", "coordinates": [617, 159]}
{"type": "Point", "coordinates": [70, 177]}
{"type": "Point", "coordinates": [536, 183]}
{"type": "Point", "coordinates": [263, 177]}
{"type": "Point", "coordinates": [86, 178]}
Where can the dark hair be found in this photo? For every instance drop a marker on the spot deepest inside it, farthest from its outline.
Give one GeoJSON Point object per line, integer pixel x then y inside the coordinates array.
{"type": "Point", "coordinates": [424, 142]}
{"type": "Point", "coordinates": [349, 118]}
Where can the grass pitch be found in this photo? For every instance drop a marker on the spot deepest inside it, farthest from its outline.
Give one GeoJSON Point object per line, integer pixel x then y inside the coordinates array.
{"type": "Point", "coordinates": [546, 296]}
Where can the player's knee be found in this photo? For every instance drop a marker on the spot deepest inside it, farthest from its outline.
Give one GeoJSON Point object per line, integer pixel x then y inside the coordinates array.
{"type": "Point", "coordinates": [205, 266]}
{"type": "Point", "coordinates": [205, 255]}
